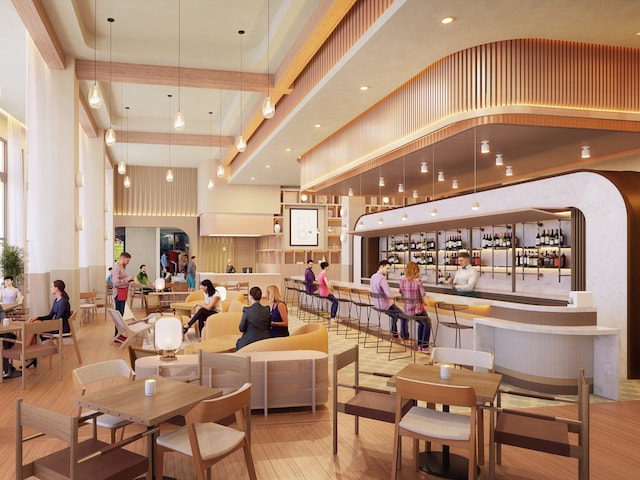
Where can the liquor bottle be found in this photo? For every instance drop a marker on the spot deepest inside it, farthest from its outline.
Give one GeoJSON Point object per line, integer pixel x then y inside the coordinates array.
{"type": "Point", "coordinates": [546, 236]}
{"type": "Point", "coordinates": [563, 261]}
{"type": "Point", "coordinates": [525, 259]}
{"type": "Point", "coordinates": [538, 239]}
{"type": "Point", "coordinates": [552, 238]}
{"type": "Point", "coordinates": [459, 241]}
{"type": "Point", "coordinates": [518, 259]}
{"type": "Point", "coordinates": [556, 260]}
{"type": "Point", "coordinates": [561, 238]}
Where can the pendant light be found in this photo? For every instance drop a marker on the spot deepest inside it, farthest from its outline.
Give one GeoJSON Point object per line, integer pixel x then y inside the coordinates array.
{"type": "Point", "coordinates": [210, 184]}
{"type": "Point", "coordinates": [169, 176]}
{"type": "Point", "coordinates": [127, 182]}
{"type": "Point", "coordinates": [476, 205]}
{"type": "Point", "coordinates": [178, 120]}
{"type": "Point", "coordinates": [110, 136]}
{"type": "Point", "coordinates": [434, 210]}
{"type": "Point", "coordinates": [424, 168]}
{"type": "Point", "coordinates": [268, 108]}
{"type": "Point", "coordinates": [220, 172]}
{"type": "Point", "coordinates": [95, 95]}
{"type": "Point", "coordinates": [241, 145]}
{"type": "Point", "coordinates": [499, 160]}
{"type": "Point", "coordinates": [122, 166]}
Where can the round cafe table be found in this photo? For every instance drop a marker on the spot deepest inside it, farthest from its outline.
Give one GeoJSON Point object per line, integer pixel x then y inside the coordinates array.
{"type": "Point", "coordinates": [221, 344]}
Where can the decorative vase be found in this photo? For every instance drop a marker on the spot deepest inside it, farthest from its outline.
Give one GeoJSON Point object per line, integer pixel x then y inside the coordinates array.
{"type": "Point", "coordinates": [276, 228]}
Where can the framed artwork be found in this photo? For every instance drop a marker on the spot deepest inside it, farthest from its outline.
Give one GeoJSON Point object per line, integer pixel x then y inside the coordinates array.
{"type": "Point", "coordinates": [304, 227]}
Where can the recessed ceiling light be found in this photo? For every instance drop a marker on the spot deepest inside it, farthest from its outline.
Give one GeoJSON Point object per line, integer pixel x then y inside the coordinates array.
{"type": "Point", "coordinates": [253, 178]}
{"type": "Point", "coordinates": [267, 166]}
{"type": "Point", "coordinates": [317, 125]}
{"type": "Point", "coordinates": [447, 20]}
{"type": "Point", "coordinates": [364, 88]}
{"type": "Point", "coordinates": [287, 149]}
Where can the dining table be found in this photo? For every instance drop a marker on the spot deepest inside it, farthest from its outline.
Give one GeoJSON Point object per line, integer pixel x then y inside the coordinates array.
{"type": "Point", "coordinates": [167, 298]}
{"type": "Point", "coordinates": [444, 464]}
{"type": "Point", "coordinates": [184, 308]}
{"type": "Point", "coordinates": [128, 401]}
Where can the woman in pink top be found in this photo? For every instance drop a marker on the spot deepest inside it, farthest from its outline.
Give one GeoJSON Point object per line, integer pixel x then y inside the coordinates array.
{"type": "Point", "coordinates": [324, 289]}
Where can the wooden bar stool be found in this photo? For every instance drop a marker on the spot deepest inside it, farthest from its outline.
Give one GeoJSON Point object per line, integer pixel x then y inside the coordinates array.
{"type": "Point", "coordinates": [452, 307]}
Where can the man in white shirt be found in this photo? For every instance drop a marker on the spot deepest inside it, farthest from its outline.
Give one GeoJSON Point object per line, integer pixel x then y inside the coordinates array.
{"type": "Point", "coordinates": [465, 279]}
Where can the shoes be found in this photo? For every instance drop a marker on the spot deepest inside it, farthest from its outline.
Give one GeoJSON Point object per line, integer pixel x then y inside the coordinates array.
{"type": "Point", "coordinates": [30, 363]}
{"type": "Point", "coordinates": [121, 339]}
{"type": "Point", "coordinates": [185, 330]}
{"type": "Point", "coordinates": [424, 350]}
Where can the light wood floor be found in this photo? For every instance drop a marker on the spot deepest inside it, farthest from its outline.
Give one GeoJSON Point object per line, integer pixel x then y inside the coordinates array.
{"type": "Point", "coordinates": [297, 444]}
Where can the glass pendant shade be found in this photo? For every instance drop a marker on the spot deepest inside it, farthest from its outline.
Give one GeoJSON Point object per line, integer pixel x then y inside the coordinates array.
{"type": "Point", "coordinates": [350, 192]}
{"type": "Point", "coordinates": [381, 182]}
{"type": "Point", "coordinates": [122, 168]}
{"type": "Point", "coordinates": [585, 152]}
{"type": "Point", "coordinates": [424, 168]}
{"type": "Point", "coordinates": [210, 184]}
{"type": "Point", "coordinates": [454, 184]}
{"type": "Point", "coordinates": [127, 182]}
{"type": "Point", "coordinates": [509, 172]}
{"type": "Point", "coordinates": [268, 108]}
{"type": "Point", "coordinates": [401, 188]}
{"type": "Point", "coordinates": [178, 121]}
{"type": "Point", "coordinates": [434, 212]}
{"type": "Point", "coordinates": [441, 176]}
{"type": "Point", "coordinates": [220, 171]}
{"type": "Point", "coordinates": [380, 221]}
{"type": "Point", "coordinates": [95, 96]}
{"type": "Point", "coordinates": [499, 160]}
{"type": "Point", "coordinates": [169, 176]}
{"type": "Point", "coordinates": [241, 145]}
{"type": "Point", "coordinates": [484, 146]}
{"type": "Point", "coordinates": [475, 205]}
{"type": "Point", "coordinates": [110, 137]}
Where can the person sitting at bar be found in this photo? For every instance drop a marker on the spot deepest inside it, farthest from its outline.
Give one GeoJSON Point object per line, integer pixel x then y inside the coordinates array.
{"type": "Point", "coordinates": [310, 278]}
{"type": "Point", "coordinates": [383, 298]}
{"type": "Point", "coordinates": [465, 279]}
{"type": "Point", "coordinates": [279, 314]}
{"type": "Point", "coordinates": [324, 289]}
{"type": "Point", "coordinates": [256, 320]}
{"type": "Point", "coordinates": [412, 290]}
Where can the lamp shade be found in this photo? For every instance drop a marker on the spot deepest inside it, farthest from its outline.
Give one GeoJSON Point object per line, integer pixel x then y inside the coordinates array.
{"type": "Point", "coordinates": [168, 337]}
{"type": "Point", "coordinates": [222, 292]}
{"type": "Point", "coordinates": [95, 96]}
{"type": "Point", "coordinates": [159, 284]}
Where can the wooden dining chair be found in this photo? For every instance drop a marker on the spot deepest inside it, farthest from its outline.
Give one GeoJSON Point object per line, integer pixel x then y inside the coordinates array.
{"type": "Point", "coordinates": [543, 433]}
{"type": "Point", "coordinates": [101, 372]}
{"type": "Point", "coordinates": [207, 442]}
{"type": "Point", "coordinates": [477, 360]}
{"type": "Point", "coordinates": [90, 458]}
{"type": "Point", "coordinates": [423, 423]}
{"type": "Point", "coordinates": [366, 402]}
{"type": "Point", "coordinates": [73, 322]}
{"type": "Point", "coordinates": [23, 351]}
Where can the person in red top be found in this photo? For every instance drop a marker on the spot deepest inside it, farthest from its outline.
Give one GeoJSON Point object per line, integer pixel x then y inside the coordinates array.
{"type": "Point", "coordinates": [120, 281]}
{"type": "Point", "coordinates": [412, 291]}
{"type": "Point", "coordinates": [324, 289]}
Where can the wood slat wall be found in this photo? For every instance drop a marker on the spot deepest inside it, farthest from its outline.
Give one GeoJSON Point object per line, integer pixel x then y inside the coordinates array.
{"type": "Point", "coordinates": [538, 74]}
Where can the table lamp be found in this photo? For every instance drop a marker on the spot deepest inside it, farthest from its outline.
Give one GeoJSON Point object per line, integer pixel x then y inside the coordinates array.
{"type": "Point", "coordinates": [168, 337]}
{"type": "Point", "coordinates": [159, 284]}
{"type": "Point", "coordinates": [222, 291]}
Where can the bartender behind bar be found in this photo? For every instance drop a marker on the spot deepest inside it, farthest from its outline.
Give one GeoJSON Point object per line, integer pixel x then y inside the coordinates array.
{"type": "Point", "coordinates": [465, 279]}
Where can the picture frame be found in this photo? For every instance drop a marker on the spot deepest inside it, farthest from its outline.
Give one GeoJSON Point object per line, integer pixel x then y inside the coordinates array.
{"type": "Point", "coordinates": [303, 227]}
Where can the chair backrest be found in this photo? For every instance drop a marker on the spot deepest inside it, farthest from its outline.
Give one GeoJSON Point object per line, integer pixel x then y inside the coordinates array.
{"type": "Point", "coordinates": [213, 363]}
{"type": "Point", "coordinates": [72, 328]}
{"type": "Point", "coordinates": [436, 393]}
{"type": "Point", "coordinates": [197, 296]}
{"type": "Point", "coordinates": [135, 353]}
{"type": "Point", "coordinates": [88, 295]}
{"type": "Point", "coordinates": [151, 303]}
{"type": "Point", "coordinates": [223, 323]}
{"type": "Point", "coordinates": [117, 319]}
{"type": "Point", "coordinates": [218, 408]}
{"type": "Point", "coordinates": [342, 360]}
{"type": "Point", "coordinates": [97, 372]}
{"type": "Point", "coordinates": [479, 360]}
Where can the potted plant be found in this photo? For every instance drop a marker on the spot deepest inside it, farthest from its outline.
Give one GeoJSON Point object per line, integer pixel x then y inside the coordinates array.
{"type": "Point", "coordinates": [12, 263]}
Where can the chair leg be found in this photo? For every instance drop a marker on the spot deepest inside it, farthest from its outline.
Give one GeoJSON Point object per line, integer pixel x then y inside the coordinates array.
{"type": "Point", "coordinates": [480, 426]}
{"type": "Point", "coordinates": [396, 454]}
{"type": "Point", "coordinates": [159, 467]}
{"type": "Point", "coordinates": [249, 461]}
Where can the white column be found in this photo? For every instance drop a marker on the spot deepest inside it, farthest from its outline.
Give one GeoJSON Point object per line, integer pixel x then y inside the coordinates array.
{"type": "Point", "coordinates": [90, 182]}
{"type": "Point", "coordinates": [51, 164]}
{"type": "Point", "coordinates": [352, 208]}
{"type": "Point", "coordinates": [15, 183]}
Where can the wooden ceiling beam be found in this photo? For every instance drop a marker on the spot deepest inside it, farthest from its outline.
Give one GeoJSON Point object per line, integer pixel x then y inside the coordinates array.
{"type": "Point", "coordinates": [186, 140]}
{"type": "Point", "coordinates": [168, 76]}
{"type": "Point", "coordinates": [35, 19]}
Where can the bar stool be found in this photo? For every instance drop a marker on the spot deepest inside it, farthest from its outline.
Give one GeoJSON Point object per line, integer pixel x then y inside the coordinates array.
{"type": "Point", "coordinates": [452, 307]}
{"type": "Point", "coordinates": [379, 329]}
{"type": "Point", "coordinates": [343, 297]}
{"type": "Point", "coordinates": [290, 294]}
{"type": "Point", "coordinates": [362, 304]}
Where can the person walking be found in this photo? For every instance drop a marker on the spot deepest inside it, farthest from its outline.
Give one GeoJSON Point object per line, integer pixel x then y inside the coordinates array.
{"type": "Point", "coordinates": [191, 274]}
{"type": "Point", "coordinates": [120, 281]}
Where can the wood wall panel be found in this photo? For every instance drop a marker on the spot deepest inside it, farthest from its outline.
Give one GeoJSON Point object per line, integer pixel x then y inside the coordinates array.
{"type": "Point", "coordinates": [537, 73]}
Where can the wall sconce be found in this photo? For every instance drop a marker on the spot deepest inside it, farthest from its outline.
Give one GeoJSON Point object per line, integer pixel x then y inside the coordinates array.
{"type": "Point", "coordinates": [586, 152]}
{"type": "Point", "coordinates": [454, 184]}
{"type": "Point", "coordinates": [360, 224]}
{"type": "Point", "coordinates": [404, 217]}
{"type": "Point", "coordinates": [400, 188]}
{"type": "Point", "coordinates": [434, 212]}
{"type": "Point", "coordinates": [415, 194]}
{"type": "Point", "coordinates": [484, 146]}
{"type": "Point", "coordinates": [499, 160]}
{"type": "Point", "coordinates": [79, 223]}
{"type": "Point", "coordinates": [424, 168]}
{"type": "Point", "coordinates": [385, 200]}
{"type": "Point", "coordinates": [106, 207]}
{"type": "Point", "coordinates": [380, 221]}
{"type": "Point", "coordinates": [79, 179]}
{"type": "Point", "coordinates": [509, 172]}
{"type": "Point", "coordinates": [441, 176]}
{"type": "Point", "coordinates": [304, 197]}
{"type": "Point", "coordinates": [475, 205]}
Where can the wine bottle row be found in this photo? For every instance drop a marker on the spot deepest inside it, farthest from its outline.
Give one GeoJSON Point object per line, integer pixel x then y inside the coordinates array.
{"type": "Point", "coordinates": [532, 258]}
{"type": "Point", "coordinates": [550, 238]}
{"type": "Point", "coordinates": [502, 240]}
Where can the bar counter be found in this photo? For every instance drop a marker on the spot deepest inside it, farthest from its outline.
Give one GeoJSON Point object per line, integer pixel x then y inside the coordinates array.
{"type": "Point", "coordinates": [540, 347]}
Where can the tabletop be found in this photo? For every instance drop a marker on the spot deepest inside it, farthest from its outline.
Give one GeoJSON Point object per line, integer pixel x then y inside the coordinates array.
{"type": "Point", "coordinates": [485, 384]}
{"type": "Point", "coordinates": [12, 327]}
{"type": "Point", "coordinates": [128, 400]}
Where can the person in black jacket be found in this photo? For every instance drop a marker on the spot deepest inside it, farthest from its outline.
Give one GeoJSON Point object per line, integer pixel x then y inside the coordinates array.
{"type": "Point", "coordinates": [256, 320]}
